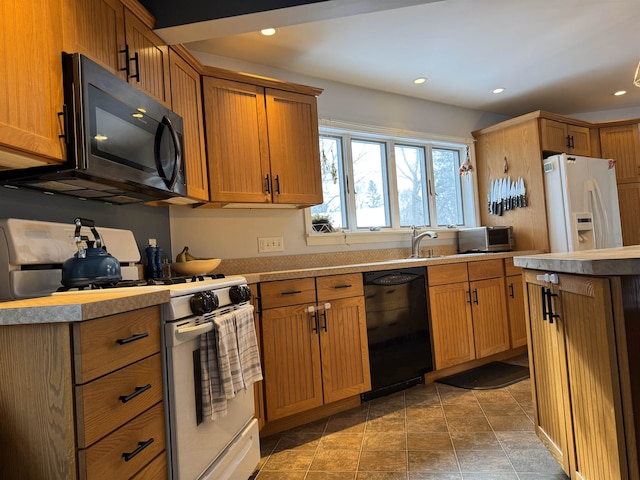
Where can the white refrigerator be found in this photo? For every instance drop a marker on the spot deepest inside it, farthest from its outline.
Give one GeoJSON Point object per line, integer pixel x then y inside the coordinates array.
{"type": "Point", "coordinates": [582, 203]}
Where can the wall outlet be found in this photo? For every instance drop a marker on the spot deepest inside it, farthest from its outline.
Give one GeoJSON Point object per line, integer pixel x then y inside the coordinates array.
{"type": "Point", "coordinates": [270, 244]}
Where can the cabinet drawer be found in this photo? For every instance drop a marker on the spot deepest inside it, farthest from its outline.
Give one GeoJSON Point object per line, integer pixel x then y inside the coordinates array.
{"type": "Point", "coordinates": [510, 268]}
{"type": "Point", "coordinates": [104, 345]}
{"type": "Point", "coordinates": [287, 292]}
{"type": "Point", "coordinates": [156, 470]}
{"type": "Point", "coordinates": [446, 274]}
{"type": "Point", "coordinates": [485, 269]}
{"type": "Point", "coordinates": [339, 286]}
{"type": "Point", "coordinates": [105, 459]}
{"type": "Point", "coordinates": [102, 405]}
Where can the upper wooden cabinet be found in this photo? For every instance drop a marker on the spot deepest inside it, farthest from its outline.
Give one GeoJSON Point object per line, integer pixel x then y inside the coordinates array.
{"type": "Point", "coordinates": [186, 101]}
{"type": "Point", "coordinates": [561, 137]}
{"type": "Point", "coordinates": [622, 143]}
{"type": "Point", "coordinates": [119, 35]}
{"type": "Point", "coordinates": [31, 86]}
{"type": "Point", "coordinates": [262, 142]}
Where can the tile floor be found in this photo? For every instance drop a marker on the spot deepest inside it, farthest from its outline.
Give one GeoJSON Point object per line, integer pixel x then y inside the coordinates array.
{"type": "Point", "coordinates": [426, 432]}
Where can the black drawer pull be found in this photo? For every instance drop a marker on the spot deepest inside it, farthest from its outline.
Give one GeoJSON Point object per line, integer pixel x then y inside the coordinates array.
{"type": "Point", "coordinates": [137, 391]}
{"type": "Point", "coordinates": [132, 338]}
{"type": "Point", "coordinates": [348, 285]}
{"type": "Point", "coordinates": [291, 292]}
{"type": "Point", "coordinates": [141, 446]}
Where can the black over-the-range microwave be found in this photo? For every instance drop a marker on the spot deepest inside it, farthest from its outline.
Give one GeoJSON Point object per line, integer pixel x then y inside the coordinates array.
{"type": "Point", "coordinates": [122, 146]}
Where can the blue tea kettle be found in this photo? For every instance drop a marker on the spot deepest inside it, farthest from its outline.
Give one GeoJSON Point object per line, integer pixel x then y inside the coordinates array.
{"type": "Point", "coordinates": [90, 265]}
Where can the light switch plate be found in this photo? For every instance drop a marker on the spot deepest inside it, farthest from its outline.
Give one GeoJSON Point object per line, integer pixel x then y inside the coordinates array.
{"type": "Point", "coordinates": [270, 244]}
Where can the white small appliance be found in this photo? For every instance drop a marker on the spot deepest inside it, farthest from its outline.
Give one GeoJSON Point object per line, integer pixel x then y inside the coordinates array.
{"type": "Point", "coordinates": [582, 203]}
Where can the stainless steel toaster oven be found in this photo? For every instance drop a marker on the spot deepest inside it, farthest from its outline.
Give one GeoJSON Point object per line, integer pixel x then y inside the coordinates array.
{"type": "Point", "coordinates": [485, 239]}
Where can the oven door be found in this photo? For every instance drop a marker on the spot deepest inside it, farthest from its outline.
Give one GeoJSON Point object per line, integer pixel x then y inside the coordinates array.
{"type": "Point", "coordinates": [227, 448]}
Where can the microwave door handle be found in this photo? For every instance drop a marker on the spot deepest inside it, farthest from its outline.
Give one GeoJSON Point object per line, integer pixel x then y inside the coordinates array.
{"type": "Point", "coordinates": [166, 122]}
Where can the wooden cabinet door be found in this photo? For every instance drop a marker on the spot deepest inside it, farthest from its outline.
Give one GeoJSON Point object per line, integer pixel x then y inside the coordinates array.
{"type": "Point", "coordinates": [560, 137]}
{"type": "Point", "coordinates": [344, 349]}
{"type": "Point", "coordinates": [579, 140]}
{"type": "Point", "coordinates": [451, 324]}
{"type": "Point", "coordinates": [186, 101]}
{"type": "Point", "coordinates": [547, 356]}
{"type": "Point", "coordinates": [629, 199]}
{"type": "Point", "coordinates": [294, 147]}
{"type": "Point", "coordinates": [594, 384]}
{"type": "Point", "coordinates": [237, 145]}
{"type": "Point", "coordinates": [31, 87]}
{"type": "Point", "coordinates": [515, 311]}
{"type": "Point", "coordinates": [291, 351]}
{"type": "Point", "coordinates": [622, 143]}
{"type": "Point", "coordinates": [150, 72]}
{"type": "Point", "coordinates": [95, 28]}
{"type": "Point", "coordinates": [489, 312]}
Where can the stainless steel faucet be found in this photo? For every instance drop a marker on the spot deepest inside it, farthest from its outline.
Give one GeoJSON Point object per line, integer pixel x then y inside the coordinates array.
{"type": "Point", "coordinates": [416, 239]}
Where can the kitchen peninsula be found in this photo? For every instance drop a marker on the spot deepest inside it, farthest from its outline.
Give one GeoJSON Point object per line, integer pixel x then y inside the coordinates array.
{"type": "Point", "coordinates": [583, 322]}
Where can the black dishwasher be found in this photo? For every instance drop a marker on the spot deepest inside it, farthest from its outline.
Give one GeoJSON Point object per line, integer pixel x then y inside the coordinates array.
{"type": "Point", "coordinates": [397, 329]}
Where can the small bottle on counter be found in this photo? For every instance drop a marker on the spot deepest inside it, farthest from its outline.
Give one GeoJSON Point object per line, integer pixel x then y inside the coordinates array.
{"type": "Point", "coordinates": [153, 267]}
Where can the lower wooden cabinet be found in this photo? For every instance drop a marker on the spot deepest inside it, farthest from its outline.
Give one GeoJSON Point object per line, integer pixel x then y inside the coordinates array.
{"type": "Point", "coordinates": [314, 341]}
{"type": "Point", "coordinates": [83, 400]}
{"type": "Point", "coordinates": [468, 311]}
{"type": "Point", "coordinates": [515, 304]}
{"type": "Point", "coordinates": [578, 409]}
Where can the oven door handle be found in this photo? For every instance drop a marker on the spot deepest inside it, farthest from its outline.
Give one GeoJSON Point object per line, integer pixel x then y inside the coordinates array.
{"type": "Point", "coordinates": [184, 334]}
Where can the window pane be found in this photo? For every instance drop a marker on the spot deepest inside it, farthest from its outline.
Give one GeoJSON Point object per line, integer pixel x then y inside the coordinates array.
{"type": "Point", "coordinates": [332, 182]}
{"type": "Point", "coordinates": [370, 183]}
{"type": "Point", "coordinates": [447, 184]}
{"type": "Point", "coordinates": [411, 185]}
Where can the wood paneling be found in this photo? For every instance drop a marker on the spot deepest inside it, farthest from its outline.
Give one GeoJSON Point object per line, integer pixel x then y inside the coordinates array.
{"type": "Point", "coordinates": [451, 324]}
{"type": "Point", "coordinates": [96, 347]}
{"type": "Point", "coordinates": [156, 470]}
{"type": "Point", "coordinates": [294, 152]}
{"type": "Point", "coordinates": [186, 101]}
{"type": "Point", "coordinates": [622, 143]}
{"type": "Point", "coordinates": [489, 312]}
{"type": "Point", "coordinates": [345, 352]}
{"type": "Point", "coordinates": [291, 350]}
{"type": "Point", "coordinates": [334, 287]}
{"type": "Point", "coordinates": [237, 145]}
{"type": "Point", "coordinates": [629, 200]}
{"type": "Point", "coordinates": [31, 78]}
{"type": "Point", "coordinates": [288, 292]}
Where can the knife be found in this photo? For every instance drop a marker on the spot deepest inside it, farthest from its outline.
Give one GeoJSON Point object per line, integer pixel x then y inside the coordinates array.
{"type": "Point", "coordinates": [499, 198]}
{"type": "Point", "coordinates": [524, 194]}
{"type": "Point", "coordinates": [489, 195]}
{"type": "Point", "coordinates": [494, 198]}
{"type": "Point", "coordinates": [504, 195]}
{"type": "Point", "coordinates": [507, 196]}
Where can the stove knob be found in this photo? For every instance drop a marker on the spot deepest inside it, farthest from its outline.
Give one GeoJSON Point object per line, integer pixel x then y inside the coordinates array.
{"type": "Point", "coordinates": [200, 303]}
{"type": "Point", "coordinates": [239, 293]}
{"type": "Point", "coordinates": [215, 301]}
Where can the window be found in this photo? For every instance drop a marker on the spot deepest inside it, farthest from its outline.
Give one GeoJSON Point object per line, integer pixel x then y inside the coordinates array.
{"type": "Point", "coordinates": [373, 181]}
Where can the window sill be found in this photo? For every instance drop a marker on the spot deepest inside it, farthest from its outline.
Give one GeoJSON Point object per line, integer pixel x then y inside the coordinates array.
{"type": "Point", "coordinates": [446, 236]}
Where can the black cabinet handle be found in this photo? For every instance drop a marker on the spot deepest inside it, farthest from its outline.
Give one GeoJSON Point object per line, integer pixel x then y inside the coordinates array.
{"type": "Point", "coordinates": [136, 392]}
{"type": "Point", "coordinates": [136, 59]}
{"type": "Point", "coordinates": [469, 296]}
{"type": "Point", "coordinates": [132, 338]}
{"type": "Point", "coordinates": [348, 285]}
{"type": "Point", "coordinates": [267, 184]}
{"type": "Point", "coordinates": [475, 296]}
{"type": "Point", "coordinates": [316, 323]}
{"type": "Point", "coordinates": [324, 316]}
{"type": "Point", "coordinates": [291, 292]}
{"type": "Point", "coordinates": [126, 68]}
{"type": "Point", "coordinates": [277, 179]}
{"type": "Point", "coordinates": [550, 314]}
{"type": "Point", "coordinates": [65, 123]}
{"type": "Point", "coordinates": [543, 292]}
{"type": "Point", "coordinates": [511, 292]}
{"type": "Point", "coordinates": [141, 446]}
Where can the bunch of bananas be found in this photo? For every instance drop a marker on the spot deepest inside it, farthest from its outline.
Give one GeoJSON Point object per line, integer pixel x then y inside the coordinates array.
{"type": "Point", "coordinates": [185, 256]}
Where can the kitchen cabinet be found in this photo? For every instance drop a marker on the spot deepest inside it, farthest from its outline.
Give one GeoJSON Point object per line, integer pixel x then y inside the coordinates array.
{"type": "Point", "coordinates": [89, 402]}
{"type": "Point", "coordinates": [258, 387]}
{"type": "Point", "coordinates": [468, 311]}
{"type": "Point", "coordinates": [629, 199]}
{"type": "Point", "coordinates": [559, 137]}
{"type": "Point", "coordinates": [186, 101]}
{"type": "Point", "coordinates": [31, 87]}
{"type": "Point", "coordinates": [262, 142]}
{"type": "Point", "coordinates": [578, 410]}
{"type": "Point", "coordinates": [314, 342]}
{"type": "Point", "coordinates": [515, 304]}
{"type": "Point", "coordinates": [118, 34]}
{"type": "Point", "coordinates": [622, 143]}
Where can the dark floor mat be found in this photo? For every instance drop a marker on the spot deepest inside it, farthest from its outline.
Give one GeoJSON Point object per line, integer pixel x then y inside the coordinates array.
{"type": "Point", "coordinates": [486, 377]}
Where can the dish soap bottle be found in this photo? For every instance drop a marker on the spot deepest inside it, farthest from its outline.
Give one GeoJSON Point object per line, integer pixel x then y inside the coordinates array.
{"type": "Point", "coordinates": [153, 268]}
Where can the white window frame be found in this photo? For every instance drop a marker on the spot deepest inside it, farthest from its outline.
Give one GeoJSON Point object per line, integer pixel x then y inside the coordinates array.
{"type": "Point", "coordinates": [390, 137]}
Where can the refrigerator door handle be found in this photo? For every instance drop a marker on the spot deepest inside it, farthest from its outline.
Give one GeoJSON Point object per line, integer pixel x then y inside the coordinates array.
{"type": "Point", "coordinates": [603, 220]}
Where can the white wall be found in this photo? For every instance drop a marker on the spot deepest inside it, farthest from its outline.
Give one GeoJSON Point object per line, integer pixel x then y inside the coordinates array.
{"type": "Point", "coordinates": [608, 115]}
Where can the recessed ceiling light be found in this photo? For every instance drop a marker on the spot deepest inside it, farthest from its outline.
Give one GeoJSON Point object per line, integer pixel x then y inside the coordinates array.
{"type": "Point", "coordinates": [620, 92]}
{"type": "Point", "coordinates": [267, 32]}
{"type": "Point", "coordinates": [420, 80]}
{"type": "Point", "coordinates": [498, 90]}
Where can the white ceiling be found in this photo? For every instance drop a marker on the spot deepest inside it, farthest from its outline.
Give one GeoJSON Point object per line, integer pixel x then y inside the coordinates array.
{"type": "Point", "coordinates": [563, 56]}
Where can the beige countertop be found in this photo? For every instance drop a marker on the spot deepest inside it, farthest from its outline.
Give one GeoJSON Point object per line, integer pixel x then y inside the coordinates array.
{"type": "Point", "coordinates": [606, 261]}
{"type": "Point", "coordinates": [375, 266]}
{"type": "Point", "coordinates": [77, 307]}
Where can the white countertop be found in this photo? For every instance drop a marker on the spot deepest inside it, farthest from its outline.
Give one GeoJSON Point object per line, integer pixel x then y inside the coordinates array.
{"type": "Point", "coordinates": [607, 261]}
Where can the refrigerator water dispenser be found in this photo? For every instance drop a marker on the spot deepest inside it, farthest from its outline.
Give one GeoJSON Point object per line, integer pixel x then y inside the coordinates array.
{"type": "Point", "coordinates": [582, 224]}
